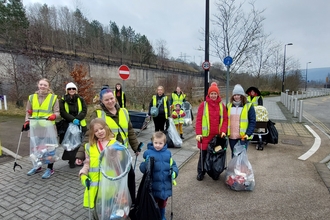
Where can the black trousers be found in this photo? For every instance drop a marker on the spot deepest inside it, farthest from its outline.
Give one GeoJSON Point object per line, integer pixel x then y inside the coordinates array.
{"type": "Point", "coordinates": [159, 122]}
{"type": "Point", "coordinates": [202, 157]}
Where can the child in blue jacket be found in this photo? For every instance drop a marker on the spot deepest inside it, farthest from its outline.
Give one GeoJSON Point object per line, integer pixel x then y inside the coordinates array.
{"type": "Point", "coordinates": [164, 171]}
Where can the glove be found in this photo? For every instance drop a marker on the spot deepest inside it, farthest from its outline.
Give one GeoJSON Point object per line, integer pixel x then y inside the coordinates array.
{"type": "Point", "coordinates": [85, 181]}
{"type": "Point", "coordinates": [244, 137]}
{"type": "Point", "coordinates": [199, 138]}
{"type": "Point", "coordinates": [147, 158]}
{"type": "Point", "coordinates": [29, 111]}
{"type": "Point", "coordinates": [223, 134]}
{"type": "Point", "coordinates": [26, 126]}
{"type": "Point", "coordinates": [173, 175]}
{"type": "Point", "coordinates": [76, 122]}
{"type": "Point", "coordinates": [52, 117]}
{"type": "Point", "coordinates": [140, 147]}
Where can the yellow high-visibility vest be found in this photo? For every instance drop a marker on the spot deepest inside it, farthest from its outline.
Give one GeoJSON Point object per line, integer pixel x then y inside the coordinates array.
{"type": "Point", "coordinates": [154, 103]}
{"type": "Point", "coordinates": [206, 119]}
{"type": "Point", "coordinates": [244, 122]}
{"type": "Point", "coordinates": [45, 109]}
{"type": "Point", "coordinates": [66, 106]}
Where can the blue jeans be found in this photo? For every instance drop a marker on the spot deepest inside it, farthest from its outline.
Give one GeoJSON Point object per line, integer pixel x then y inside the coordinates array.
{"type": "Point", "coordinates": [232, 143]}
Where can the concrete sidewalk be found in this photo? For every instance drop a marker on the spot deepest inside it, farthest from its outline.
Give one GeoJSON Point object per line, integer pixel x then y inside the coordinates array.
{"type": "Point", "coordinates": [61, 196]}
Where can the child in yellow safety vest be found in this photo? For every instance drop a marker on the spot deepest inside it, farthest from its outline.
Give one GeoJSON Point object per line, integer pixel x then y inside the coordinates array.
{"type": "Point", "coordinates": [178, 119]}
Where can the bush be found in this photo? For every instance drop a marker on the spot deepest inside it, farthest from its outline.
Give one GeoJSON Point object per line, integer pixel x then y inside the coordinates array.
{"type": "Point", "coordinates": [265, 93]}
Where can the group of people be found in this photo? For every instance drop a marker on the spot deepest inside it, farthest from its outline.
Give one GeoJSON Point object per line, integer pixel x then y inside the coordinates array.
{"type": "Point", "coordinates": [167, 108]}
{"type": "Point", "coordinates": [109, 124]}
{"type": "Point", "coordinates": [236, 121]}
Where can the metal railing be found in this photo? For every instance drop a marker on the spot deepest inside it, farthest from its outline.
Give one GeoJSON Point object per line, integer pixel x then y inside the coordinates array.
{"type": "Point", "coordinates": [295, 102]}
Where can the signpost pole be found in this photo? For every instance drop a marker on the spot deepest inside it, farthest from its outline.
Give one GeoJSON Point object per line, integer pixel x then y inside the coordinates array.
{"type": "Point", "coordinates": [227, 85]}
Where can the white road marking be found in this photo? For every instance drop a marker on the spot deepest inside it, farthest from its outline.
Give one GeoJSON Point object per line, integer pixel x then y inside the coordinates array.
{"type": "Point", "coordinates": [314, 148]}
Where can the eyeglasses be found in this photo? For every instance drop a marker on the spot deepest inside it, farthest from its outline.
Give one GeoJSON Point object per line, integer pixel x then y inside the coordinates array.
{"type": "Point", "coordinates": [71, 89]}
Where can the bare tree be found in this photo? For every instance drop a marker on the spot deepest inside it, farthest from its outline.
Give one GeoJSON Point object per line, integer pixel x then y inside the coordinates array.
{"type": "Point", "coordinates": [162, 52]}
{"type": "Point", "coordinates": [236, 31]}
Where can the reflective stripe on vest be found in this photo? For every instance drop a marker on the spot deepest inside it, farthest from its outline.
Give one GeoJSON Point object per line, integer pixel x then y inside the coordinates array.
{"type": "Point", "coordinates": [45, 109]}
{"type": "Point", "coordinates": [206, 119]}
{"type": "Point", "coordinates": [93, 173]}
{"type": "Point", "coordinates": [244, 121]}
{"type": "Point", "coordinates": [154, 103]}
{"type": "Point", "coordinates": [123, 122]}
{"type": "Point", "coordinates": [178, 99]}
{"type": "Point", "coordinates": [254, 101]}
{"type": "Point", "coordinates": [178, 120]}
{"type": "Point", "coordinates": [122, 100]}
{"type": "Point", "coordinates": [66, 106]}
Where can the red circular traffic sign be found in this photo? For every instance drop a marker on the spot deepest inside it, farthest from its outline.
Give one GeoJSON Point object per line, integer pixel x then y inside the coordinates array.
{"type": "Point", "coordinates": [124, 72]}
{"type": "Point", "coordinates": [206, 65]}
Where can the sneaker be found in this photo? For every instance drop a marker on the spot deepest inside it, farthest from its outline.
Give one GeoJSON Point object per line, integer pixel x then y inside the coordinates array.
{"type": "Point", "coordinates": [47, 173]}
{"type": "Point", "coordinates": [34, 171]}
{"type": "Point", "coordinates": [200, 177]}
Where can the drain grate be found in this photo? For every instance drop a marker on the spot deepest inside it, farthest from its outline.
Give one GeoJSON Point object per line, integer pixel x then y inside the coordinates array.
{"type": "Point", "coordinates": [292, 142]}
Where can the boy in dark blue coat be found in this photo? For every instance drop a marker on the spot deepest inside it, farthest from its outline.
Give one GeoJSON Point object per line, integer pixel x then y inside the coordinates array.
{"type": "Point", "coordinates": [165, 170]}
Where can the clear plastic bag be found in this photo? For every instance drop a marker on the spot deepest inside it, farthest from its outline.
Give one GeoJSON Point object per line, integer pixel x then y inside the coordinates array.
{"type": "Point", "coordinates": [43, 142]}
{"type": "Point", "coordinates": [113, 199]}
{"type": "Point", "coordinates": [72, 137]}
{"type": "Point", "coordinates": [239, 175]}
{"type": "Point", "coordinates": [173, 133]}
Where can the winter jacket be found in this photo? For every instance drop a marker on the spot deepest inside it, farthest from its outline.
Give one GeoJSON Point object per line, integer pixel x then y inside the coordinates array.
{"type": "Point", "coordinates": [161, 179]}
{"type": "Point", "coordinates": [121, 98]}
{"type": "Point", "coordinates": [73, 109]}
{"type": "Point", "coordinates": [214, 120]}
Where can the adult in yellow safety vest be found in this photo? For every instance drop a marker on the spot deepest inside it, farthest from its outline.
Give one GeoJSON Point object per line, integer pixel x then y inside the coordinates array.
{"type": "Point", "coordinates": [120, 96]}
{"type": "Point", "coordinates": [119, 122]}
{"type": "Point", "coordinates": [162, 105]}
{"type": "Point", "coordinates": [211, 120]}
{"type": "Point", "coordinates": [73, 109]}
{"type": "Point", "coordinates": [241, 118]}
{"type": "Point", "coordinates": [254, 96]}
{"type": "Point", "coordinates": [42, 104]}
{"type": "Point", "coordinates": [177, 97]}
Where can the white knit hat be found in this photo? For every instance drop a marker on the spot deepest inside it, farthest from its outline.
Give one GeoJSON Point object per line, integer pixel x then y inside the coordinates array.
{"type": "Point", "coordinates": [238, 90]}
{"type": "Point", "coordinates": [71, 85]}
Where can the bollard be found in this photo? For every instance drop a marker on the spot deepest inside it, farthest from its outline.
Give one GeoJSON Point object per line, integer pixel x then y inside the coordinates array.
{"type": "Point", "coordinates": [295, 107]}
{"type": "Point", "coordinates": [300, 110]}
{"type": "Point", "coordinates": [291, 104]}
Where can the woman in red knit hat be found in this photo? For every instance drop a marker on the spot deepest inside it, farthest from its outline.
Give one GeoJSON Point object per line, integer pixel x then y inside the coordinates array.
{"type": "Point", "coordinates": [211, 120]}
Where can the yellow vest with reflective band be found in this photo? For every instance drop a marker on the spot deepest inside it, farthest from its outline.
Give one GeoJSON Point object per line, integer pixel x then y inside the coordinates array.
{"type": "Point", "coordinates": [178, 99]}
{"type": "Point", "coordinates": [178, 120]}
{"type": "Point", "coordinates": [94, 172]}
{"type": "Point", "coordinates": [244, 122]}
{"type": "Point", "coordinates": [206, 119]}
{"type": "Point", "coordinates": [45, 109]}
{"type": "Point", "coordinates": [122, 99]}
{"type": "Point", "coordinates": [123, 122]}
{"type": "Point", "coordinates": [154, 103]}
{"type": "Point", "coordinates": [66, 106]}
{"type": "Point", "coordinates": [254, 101]}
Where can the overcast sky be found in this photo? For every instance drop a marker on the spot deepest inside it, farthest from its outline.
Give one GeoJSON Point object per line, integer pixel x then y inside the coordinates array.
{"type": "Point", "coordinates": [304, 23]}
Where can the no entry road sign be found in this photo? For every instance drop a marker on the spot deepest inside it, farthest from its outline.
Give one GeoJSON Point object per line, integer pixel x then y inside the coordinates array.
{"type": "Point", "coordinates": [124, 72]}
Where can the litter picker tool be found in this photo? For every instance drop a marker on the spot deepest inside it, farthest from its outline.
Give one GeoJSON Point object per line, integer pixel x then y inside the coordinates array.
{"type": "Point", "coordinates": [19, 143]}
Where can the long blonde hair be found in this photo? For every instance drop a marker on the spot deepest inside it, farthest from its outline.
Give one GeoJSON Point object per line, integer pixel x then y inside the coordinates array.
{"type": "Point", "coordinates": [108, 133]}
{"type": "Point", "coordinates": [49, 89]}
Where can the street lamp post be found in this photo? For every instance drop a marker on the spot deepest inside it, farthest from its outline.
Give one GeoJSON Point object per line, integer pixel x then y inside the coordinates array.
{"type": "Point", "coordinates": [284, 65]}
{"type": "Point", "coordinates": [306, 75]}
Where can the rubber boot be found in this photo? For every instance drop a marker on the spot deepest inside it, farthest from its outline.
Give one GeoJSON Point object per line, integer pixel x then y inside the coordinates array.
{"type": "Point", "coordinates": [162, 213]}
{"type": "Point", "coordinates": [181, 136]}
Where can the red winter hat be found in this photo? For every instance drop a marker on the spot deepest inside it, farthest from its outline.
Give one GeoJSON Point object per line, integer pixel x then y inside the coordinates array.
{"type": "Point", "coordinates": [213, 88]}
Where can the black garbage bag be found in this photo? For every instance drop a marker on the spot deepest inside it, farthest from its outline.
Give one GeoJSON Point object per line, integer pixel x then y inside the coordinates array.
{"type": "Point", "coordinates": [215, 162]}
{"type": "Point", "coordinates": [272, 136]}
{"type": "Point", "coordinates": [169, 141]}
{"type": "Point", "coordinates": [145, 204]}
